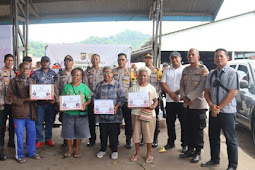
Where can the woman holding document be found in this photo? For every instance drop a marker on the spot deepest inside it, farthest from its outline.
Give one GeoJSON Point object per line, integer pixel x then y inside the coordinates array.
{"type": "Point", "coordinates": [143, 118]}
{"type": "Point", "coordinates": [109, 124]}
{"type": "Point", "coordinates": [75, 122]}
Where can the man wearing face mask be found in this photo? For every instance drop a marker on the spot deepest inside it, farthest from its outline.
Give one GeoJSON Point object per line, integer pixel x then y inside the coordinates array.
{"type": "Point", "coordinates": [92, 76]}
{"type": "Point", "coordinates": [45, 109]}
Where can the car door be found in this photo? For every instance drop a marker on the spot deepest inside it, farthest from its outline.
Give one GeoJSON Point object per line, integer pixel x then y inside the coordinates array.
{"type": "Point", "coordinates": [244, 97]}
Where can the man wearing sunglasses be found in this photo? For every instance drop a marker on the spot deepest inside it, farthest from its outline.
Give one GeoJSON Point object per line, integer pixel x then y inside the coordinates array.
{"type": "Point", "coordinates": [221, 88]}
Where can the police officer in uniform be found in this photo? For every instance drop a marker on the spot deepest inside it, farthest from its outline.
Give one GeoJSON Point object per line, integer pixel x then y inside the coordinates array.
{"type": "Point", "coordinates": [92, 76]}
{"type": "Point", "coordinates": [192, 88]}
{"type": "Point", "coordinates": [154, 80]}
{"type": "Point", "coordinates": [221, 87]}
{"type": "Point", "coordinates": [7, 73]}
{"type": "Point", "coordinates": [123, 75]}
{"type": "Point", "coordinates": [62, 78]}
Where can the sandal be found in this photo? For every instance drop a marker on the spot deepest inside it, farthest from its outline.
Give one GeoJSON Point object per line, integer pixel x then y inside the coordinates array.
{"type": "Point", "coordinates": [149, 160]}
{"type": "Point", "coordinates": [36, 156]}
{"type": "Point", "coordinates": [67, 154]}
{"type": "Point", "coordinates": [21, 160]}
{"type": "Point", "coordinates": [77, 155]}
{"type": "Point", "coordinates": [134, 158]}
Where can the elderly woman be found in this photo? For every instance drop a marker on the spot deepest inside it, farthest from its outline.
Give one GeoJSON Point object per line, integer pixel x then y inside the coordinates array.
{"type": "Point", "coordinates": [24, 113]}
{"type": "Point", "coordinates": [75, 123]}
{"type": "Point", "coordinates": [140, 126]}
{"type": "Point", "coordinates": [110, 124]}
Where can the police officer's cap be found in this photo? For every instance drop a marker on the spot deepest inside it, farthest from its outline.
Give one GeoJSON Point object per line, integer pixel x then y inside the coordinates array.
{"type": "Point", "coordinates": [45, 58]}
{"type": "Point", "coordinates": [148, 56]}
{"type": "Point", "coordinates": [27, 58]}
{"type": "Point", "coordinates": [175, 53]}
{"type": "Point", "coordinates": [68, 57]}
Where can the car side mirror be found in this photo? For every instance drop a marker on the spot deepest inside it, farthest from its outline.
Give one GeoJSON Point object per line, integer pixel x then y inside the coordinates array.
{"type": "Point", "coordinates": [243, 84]}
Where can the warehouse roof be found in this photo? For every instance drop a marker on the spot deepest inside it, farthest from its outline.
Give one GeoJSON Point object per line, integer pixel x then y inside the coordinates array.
{"type": "Point", "coordinates": [62, 11]}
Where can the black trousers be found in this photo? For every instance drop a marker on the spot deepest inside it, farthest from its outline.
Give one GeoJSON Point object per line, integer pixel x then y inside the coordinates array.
{"type": "Point", "coordinates": [127, 118]}
{"type": "Point", "coordinates": [226, 122]}
{"type": "Point", "coordinates": [157, 131]}
{"type": "Point", "coordinates": [110, 130]}
{"type": "Point", "coordinates": [3, 118]}
{"type": "Point", "coordinates": [194, 124]}
{"type": "Point", "coordinates": [92, 123]}
{"type": "Point", "coordinates": [173, 111]}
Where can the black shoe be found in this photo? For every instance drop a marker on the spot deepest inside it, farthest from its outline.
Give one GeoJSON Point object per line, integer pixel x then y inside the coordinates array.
{"type": "Point", "coordinates": [155, 144]}
{"type": "Point", "coordinates": [169, 146]}
{"type": "Point", "coordinates": [187, 154]}
{"type": "Point", "coordinates": [141, 143]}
{"type": "Point", "coordinates": [129, 145]}
{"type": "Point", "coordinates": [231, 168]}
{"type": "Point", "coordinates": [91, 143]}
{"type": "Point", "coordinates": [209, 163]}
{"type": "Point", "coordinates": [184, 149]}
{"type": "Point", "coordinates": [2, 157]}
{"type": "Point", "coordinates": [196, 158]}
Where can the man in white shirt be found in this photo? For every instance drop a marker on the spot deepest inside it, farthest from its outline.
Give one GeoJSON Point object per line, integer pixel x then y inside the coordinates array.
{"type": "Point", "coordinates": [170, 82]}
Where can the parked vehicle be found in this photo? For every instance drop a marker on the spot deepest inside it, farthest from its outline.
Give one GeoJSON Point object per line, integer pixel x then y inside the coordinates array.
{"type": "Point", "coordinates": [246, 95]}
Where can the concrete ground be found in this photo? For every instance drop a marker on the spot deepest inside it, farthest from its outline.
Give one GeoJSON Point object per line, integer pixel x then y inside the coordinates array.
{"type": "Point", "coordinates": [52, 156]}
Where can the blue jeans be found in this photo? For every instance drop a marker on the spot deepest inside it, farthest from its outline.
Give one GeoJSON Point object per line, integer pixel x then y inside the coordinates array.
{"type": "Point", "coordinates": [19, 125]}
{"type": "Point", "coordinates": [226, 122]}
{"type": "Point", "coordinates": [45, 113]}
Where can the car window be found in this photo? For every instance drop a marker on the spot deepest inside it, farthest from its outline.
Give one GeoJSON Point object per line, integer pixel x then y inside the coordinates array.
{"type": "Point", "coordinates": [233, 66]}
{"type": "Point", "coordinates": [243, 73]}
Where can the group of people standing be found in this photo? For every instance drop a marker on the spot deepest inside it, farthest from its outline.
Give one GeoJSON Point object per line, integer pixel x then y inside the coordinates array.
{"type": "Point", "coordinates": [189, 90]}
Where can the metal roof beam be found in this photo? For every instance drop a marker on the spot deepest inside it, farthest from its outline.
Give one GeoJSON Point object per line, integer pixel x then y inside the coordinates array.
{"type": "Point", "coordinates": [48, 1]}
{"type": "Point", "coordinates": [33, 10]}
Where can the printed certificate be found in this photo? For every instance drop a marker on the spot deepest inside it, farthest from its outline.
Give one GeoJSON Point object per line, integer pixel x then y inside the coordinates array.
{"type": "Point", "coordinates": [103, 107]}
{"type": "Point", "coordinates": [70, 102]}
{"type": "Point", "coordinates": [139, 99]}
{"type": "Point", "coordinates": [41, 91]}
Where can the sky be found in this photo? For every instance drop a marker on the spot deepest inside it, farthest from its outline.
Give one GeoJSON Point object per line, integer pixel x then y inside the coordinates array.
{"type": "Point", "coordinates": [75, 32]}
